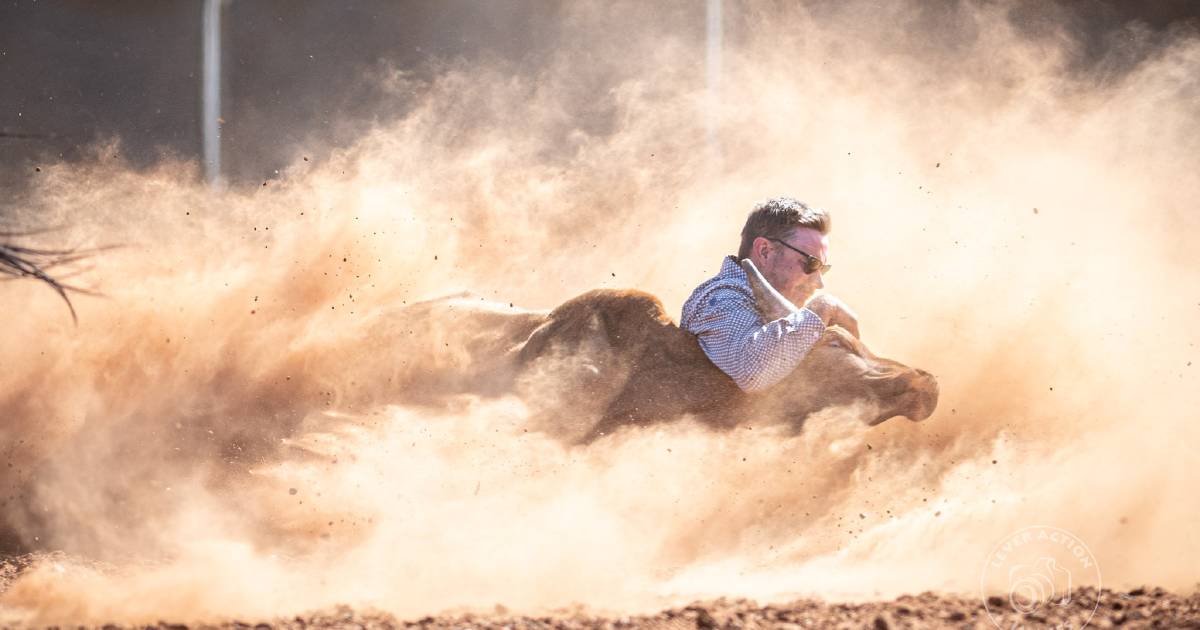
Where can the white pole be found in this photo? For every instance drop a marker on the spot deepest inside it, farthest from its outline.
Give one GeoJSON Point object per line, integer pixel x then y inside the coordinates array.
{"type": "Point", "coordinates": [713, 74]}
{"type": "Point", "coordinates": [210, 110]}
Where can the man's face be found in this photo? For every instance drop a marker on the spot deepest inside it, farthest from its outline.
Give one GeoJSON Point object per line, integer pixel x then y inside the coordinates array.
{"type": "Point", "coordinates": [784, 268]}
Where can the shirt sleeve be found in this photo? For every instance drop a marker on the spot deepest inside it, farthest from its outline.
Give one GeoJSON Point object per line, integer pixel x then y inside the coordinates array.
{"type": "Point", "coordinates": [755, 355]}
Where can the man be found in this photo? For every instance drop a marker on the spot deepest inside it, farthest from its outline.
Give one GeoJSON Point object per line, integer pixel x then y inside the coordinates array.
{"type": "Point", "coordinates": [747, 323]}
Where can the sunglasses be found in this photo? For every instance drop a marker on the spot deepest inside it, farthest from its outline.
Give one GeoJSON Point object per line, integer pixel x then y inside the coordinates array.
{"type": "Point", "coordinates": [812, 264]}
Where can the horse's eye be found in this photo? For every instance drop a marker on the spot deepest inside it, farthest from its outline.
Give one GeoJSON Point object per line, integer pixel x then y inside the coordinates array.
{"type": "Point", "coordinates": [835, 343]}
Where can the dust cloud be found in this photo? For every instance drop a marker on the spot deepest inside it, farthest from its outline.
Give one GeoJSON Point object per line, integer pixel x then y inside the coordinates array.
{"type": "Point", "coordinates": [226, 432]}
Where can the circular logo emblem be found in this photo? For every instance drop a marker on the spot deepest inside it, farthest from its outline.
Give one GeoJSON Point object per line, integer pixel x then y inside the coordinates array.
{"type": "Point", "coordinates": [1035, 569]}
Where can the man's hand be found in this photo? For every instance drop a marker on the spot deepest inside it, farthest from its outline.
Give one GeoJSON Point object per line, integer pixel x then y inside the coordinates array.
{"type": "Point", "coordinates": [834, 312]}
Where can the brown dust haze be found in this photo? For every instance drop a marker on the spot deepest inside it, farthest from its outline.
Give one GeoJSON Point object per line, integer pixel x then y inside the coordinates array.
{"type": "Point", "coordinates": [224, 433]}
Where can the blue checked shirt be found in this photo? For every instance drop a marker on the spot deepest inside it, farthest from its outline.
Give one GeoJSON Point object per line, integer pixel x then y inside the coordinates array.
{"type": "Point", "coordinates": [755, 354]}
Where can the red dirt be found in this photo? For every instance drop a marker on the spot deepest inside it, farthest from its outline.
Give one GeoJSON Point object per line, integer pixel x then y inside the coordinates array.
{"type": "Point", "coordinates": [1138, 608]}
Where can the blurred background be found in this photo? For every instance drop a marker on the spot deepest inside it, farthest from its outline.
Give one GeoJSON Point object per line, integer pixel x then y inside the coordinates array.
{"type": "Point", "coordinates": [294, 78]}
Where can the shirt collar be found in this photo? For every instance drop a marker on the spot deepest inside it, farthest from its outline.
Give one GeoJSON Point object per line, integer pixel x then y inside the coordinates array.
{"type": "Point", "coordinates": [732, 270]}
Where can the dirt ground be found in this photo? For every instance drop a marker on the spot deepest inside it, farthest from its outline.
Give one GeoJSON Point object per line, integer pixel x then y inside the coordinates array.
{"type": "Point", "coordinates": [1140, 608]}
{"type": "Point", "coordinates": [1136, 608]}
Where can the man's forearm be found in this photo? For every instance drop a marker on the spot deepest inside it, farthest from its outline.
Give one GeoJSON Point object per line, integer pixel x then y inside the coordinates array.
{"type": "Point", "coordinates": [760, 356]}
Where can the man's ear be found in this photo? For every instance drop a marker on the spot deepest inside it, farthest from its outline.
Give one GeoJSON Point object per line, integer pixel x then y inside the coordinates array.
{"type": "Point", "coordinates": [761, 246]}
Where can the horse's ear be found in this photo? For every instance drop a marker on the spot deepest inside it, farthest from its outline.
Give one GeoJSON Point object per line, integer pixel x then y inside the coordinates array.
{"type": "Point", "coordinates": [769, 303]}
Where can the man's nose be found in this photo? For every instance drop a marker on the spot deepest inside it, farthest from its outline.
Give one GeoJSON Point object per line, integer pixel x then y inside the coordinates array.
{"type": "Point", "coordinates": [820, 281]}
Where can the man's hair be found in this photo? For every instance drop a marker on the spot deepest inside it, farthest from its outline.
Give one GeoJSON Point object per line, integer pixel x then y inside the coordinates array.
{"type": "Point", "coordinates": [776, 218]}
